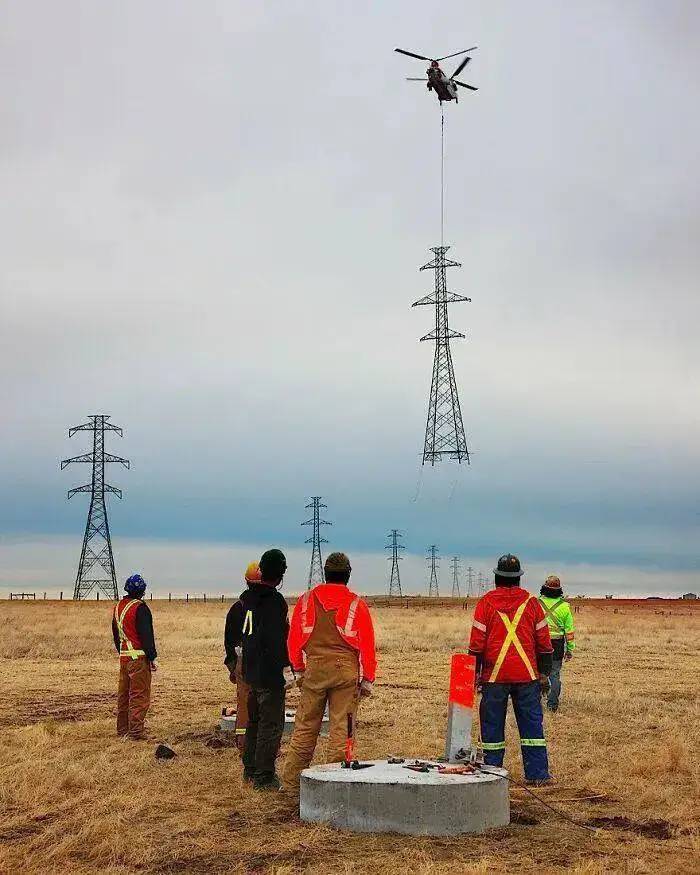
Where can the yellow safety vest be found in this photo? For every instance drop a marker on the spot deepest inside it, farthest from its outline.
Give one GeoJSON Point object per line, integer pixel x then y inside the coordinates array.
{"type": "Point", "coordinates": [127, 648]}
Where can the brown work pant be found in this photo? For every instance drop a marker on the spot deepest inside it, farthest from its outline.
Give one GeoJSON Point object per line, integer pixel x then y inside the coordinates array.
{"type": "Point", "coordinates": [333, 679]}
{"type": "Point", "coordinates": [242, 693]}
{"type": "Point", "coordinates": [134, 696]}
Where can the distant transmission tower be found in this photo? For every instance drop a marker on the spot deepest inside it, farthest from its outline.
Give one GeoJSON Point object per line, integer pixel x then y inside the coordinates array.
{"type": "Point", "coordinates": [482, 584]}
{"type": "Point", "coordinates": [96, 566]}
{"type": "Point", "coordinates": [444, 430]}
{"type": "Point", "coordinates": [433, 558]}
{"type": "Point", "coordinates": [455, 578]}
{"type": "Point", "coordinates": [316, 574]}
{"type": "Point", "coordinates": [470, 582]}
{"type": "Point", "coordinates": [394, 546]}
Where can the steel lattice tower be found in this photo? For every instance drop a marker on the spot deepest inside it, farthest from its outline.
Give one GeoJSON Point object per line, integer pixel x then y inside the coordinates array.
{"type": "Point", "coordinates": [316, 574]}
{"type": "Point", "coordinates": [470, 582]}
{"type": "Point", "coordinates": [96, 566]}
{"type": "Point", "coordinates": [394, 546]}
{"type": "Point", "coordinates": [482, 584]}
{"type": "Point", "coordinates": [455, 578]}
{"type": "Point", "coordinates": [434, 565]}
{"type": "Point", "coordinates": [444, 430]}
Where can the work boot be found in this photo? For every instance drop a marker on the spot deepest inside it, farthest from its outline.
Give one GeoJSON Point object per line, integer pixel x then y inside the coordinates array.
{"type": "Point", "coordinates": [248, 776]}
{"type": "Point", "coordinates": [549, 781]}
{"type": "Point", "coordinates": [553, 708]}
{"type": "Point", "coordinates": [267, 783]}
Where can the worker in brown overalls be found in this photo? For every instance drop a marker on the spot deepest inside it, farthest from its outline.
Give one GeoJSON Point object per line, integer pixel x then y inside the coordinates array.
{"type": "Point", "coordinates": [332, 653]}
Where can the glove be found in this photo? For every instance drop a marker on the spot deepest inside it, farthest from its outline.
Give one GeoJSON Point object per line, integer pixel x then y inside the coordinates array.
{"type": "Point", "coordinates": [289, 679]}
{"type": "Point", "coordinates": [478, 684]}
{"type": "Point", "coordinates": [568, 655]}
{"type": "Point", "coordinates": [300, 679]}
{"type": "Point", "coordinates": [545, 685]}
{"type": "Point", "coordinates": [366, 688]}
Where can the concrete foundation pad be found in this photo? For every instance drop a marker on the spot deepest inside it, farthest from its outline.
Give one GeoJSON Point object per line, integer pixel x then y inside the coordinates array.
{"type": "Point", "coordinates": [228, 724]}
{"type": "Point", "coordinates": [390, 798]}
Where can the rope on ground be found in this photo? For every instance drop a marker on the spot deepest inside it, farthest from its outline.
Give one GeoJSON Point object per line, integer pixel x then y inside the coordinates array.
{"type": "Point", "coordinates": [556, 811]}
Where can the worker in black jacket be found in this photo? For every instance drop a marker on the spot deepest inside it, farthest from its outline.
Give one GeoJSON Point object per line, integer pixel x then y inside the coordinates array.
{"type": "Point", "coordinates": [260, 628]}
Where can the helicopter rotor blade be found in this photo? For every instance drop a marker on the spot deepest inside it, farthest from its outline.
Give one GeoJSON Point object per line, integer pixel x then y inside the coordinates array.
{"type": "Point", "coordinates": [413, 55]}
{"type": "Point", "coordinates": [414, 79]}
{"type": "Point", "coordinates": [464, 85]}
{"type": "Point", "coordinates": [461, 67]}
{"type": "Point", "coordinates": [454, 54]}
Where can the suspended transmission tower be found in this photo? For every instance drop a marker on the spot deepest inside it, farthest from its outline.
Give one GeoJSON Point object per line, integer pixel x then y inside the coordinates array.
{"type": "Point", "coordinates": [394, 546]}
{"type": "Point", "coordinates": [316, 574]}
{"type": "Point", "coordinates": [433, 558]}
{"type": "Point", "coordinates": [444, 430]}
{"type": "Point", "coordinates": [96, 566]}
{"type": "Point", "coordinates": [455, 578]}
{"type": "Point", "coordinates": [470, 582]}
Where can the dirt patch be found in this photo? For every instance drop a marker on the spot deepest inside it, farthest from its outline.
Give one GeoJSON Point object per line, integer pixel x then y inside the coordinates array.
{"type": "Point", "coordinates": [88, 706]}
{"type": "Point", "coordinates": [650, 829]}
{"type": "Point", "coordinates": [522, 819]}
{"type": "Point", "coordinates": [403, 687]}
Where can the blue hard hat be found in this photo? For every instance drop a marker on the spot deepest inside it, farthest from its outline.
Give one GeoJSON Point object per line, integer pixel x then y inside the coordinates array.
{"type": "Point", "coordinates": [135, 585]}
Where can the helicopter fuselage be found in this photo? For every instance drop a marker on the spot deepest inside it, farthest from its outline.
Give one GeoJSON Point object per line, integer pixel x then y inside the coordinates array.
{"type": "Point", "coordinates": [444, 88]}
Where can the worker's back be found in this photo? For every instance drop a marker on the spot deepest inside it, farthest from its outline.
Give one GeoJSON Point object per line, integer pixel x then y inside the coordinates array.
{"type": "Point", "coordinates": [325, 640]}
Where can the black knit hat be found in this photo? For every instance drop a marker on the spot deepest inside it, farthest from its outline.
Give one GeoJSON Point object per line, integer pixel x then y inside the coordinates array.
{"type": "Point", "coordinates": [273, 564]}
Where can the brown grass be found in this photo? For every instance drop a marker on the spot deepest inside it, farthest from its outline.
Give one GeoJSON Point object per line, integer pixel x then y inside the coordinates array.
{"type": "Point", "coordinates": [75, 799]}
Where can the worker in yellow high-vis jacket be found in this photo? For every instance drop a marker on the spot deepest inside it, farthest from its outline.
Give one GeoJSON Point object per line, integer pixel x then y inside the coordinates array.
{"type": "Point", "coordinates": [561, 630]}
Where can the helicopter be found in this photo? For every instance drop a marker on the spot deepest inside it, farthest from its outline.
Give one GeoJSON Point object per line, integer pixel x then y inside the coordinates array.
{"type": "Point", "coordinates": [445, 87]}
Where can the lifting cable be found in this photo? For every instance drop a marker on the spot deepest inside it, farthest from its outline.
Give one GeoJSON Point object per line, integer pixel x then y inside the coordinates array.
{"type": "Point", "coordinates": [442, 175]}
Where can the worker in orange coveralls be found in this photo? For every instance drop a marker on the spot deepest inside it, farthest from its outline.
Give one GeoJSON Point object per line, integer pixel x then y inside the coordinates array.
{"type": "Point", "coordinates": [332, 653]}
{"type": "Point", "coordinates": [233, 661]}
{"type": "Point", "coordinates": [510, 639]}
{"type": "Point", "coordinates": [132, 629]}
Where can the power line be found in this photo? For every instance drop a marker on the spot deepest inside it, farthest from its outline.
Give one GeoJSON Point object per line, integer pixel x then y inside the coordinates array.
{"type": "Point", "coordinates": [96, 566]}
{"type": "Point", "coordinates": [316, 574]}
{"type": "Point", "coordinates": [395, 577]}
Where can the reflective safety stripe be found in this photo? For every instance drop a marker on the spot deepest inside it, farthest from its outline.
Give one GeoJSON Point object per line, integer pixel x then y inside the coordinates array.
{"type": "Point", "coordinates": [248, 623]}
{"type": "Point", "coordinates": [305, 628]}
{"type": "Point", "coordinates": [512, 638]}
{"type": "Point", "coordinates": [569, 636]}
{"type": "Point", "coordinates": [542, 624]}
{"type": "Point", "coordinates": [126, 647]}
{"type": "Point", "coordinates": [239, 732]}
{"type": "Point", "coordinates": [549, 612]}
{"type": "Point", "coordinates": [533, 742]}
{"type": "Point", "coordinates": [348, 631]}
{"type": "Point", "coordinates": [493, 745]}
{"type": "Point", "coordinates": [477, 625]}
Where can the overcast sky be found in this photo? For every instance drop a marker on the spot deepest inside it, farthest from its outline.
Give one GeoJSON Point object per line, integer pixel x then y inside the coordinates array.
{"type": "Point", "coordinates": [213, 216]}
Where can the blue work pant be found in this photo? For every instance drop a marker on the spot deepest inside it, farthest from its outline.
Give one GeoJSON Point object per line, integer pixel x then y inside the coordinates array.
{"type": "Point", "coordinates": [527, 705]}
{"type": "Point", "coordinates": [555, 680]}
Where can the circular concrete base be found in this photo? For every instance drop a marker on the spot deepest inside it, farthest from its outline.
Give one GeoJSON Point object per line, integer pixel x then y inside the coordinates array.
{"type": "Point", "coordinates": [391, 798]}
{"type": "Point", "coordinates": [228, 724]}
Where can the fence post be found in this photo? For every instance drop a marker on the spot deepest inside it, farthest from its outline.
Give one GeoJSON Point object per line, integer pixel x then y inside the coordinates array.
{"type": "Point", "coordinates": [60, 598]}
{"type": "Point", "coordinates": [187, 598]}
{"type": "Point", "coordinates": [170, 596]}
{"type": "Point", "coordinates": [98, 595]}
{"type": "Point", "coordinates": [222, 600]}
{"type": "Point", "coordinates": [44, 596]}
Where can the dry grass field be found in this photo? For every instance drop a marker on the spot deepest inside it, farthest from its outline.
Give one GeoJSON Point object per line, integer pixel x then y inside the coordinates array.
{"type": "Point", "coordinates": [625, 747]}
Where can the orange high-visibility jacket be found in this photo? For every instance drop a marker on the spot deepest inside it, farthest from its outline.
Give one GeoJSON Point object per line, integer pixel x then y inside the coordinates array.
{"type": "Point", "coordinates": [509, 630]}
{"type": "Point", "coordinates": [352, 619]}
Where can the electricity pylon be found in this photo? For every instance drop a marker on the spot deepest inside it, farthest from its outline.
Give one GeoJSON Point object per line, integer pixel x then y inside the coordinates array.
{"type": "Point", "coordinates": [96, 566]}
{"type": "Point", "coordinates": [470, 582]}
{"type": "Point", "coordinates": [482, 584]}
{"type": "Point", "coordinates": [316, 574]}
{"type": "Point", "coordinates": [394, 546]}
{"type": "Point", "coordinates": [455, 578]}
{"type": "Point", "coordinates": [433, 558]}
{"type": "Point", "coordinates": [444, 430]}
